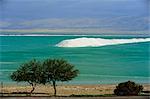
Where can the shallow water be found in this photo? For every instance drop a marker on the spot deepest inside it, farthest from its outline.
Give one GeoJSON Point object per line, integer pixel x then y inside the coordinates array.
{"type": "Point", "coordinates": [97, 65]}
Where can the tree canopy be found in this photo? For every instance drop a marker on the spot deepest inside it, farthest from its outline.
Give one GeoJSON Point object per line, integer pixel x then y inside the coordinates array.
{"type": "Point", "coordinates": [59, 70]}
{"type": "Point", "coordinates": [29, 72]}
{"type": "Point", "coordinates": [48, 71]}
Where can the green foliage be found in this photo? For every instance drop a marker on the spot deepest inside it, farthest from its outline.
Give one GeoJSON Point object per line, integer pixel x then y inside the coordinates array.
{"type": "Point", "coordinates": [51, 70]}
{"type": "Point", "coordinates": [58, 70]}
{"type": "Point", "coordinates": [128, 88]}
{"type": "Point", "coordinates": [29, 72]}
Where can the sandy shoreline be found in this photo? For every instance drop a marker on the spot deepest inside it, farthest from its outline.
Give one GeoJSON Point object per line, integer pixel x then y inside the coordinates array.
{"type": "Point", "coordinates": [66, 90]}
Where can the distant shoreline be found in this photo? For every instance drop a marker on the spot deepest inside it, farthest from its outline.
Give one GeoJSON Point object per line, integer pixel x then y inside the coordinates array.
{"type": "Point", "coordinates": [72, 35]}
{"type": "Point", "coordinates": [72, 31]}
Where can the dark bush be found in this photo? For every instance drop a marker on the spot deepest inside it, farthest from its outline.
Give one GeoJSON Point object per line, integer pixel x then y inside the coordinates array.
{"type": "Point", "coordinates": [128, 88]}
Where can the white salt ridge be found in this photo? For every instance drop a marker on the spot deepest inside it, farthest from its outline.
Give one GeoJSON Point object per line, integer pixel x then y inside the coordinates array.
{"type": "Point", "coordinates": [95, 42]}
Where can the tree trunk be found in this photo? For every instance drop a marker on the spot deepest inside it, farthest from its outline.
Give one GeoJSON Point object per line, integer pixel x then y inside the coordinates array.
{"type": "Point", "coordinates": [54, 86]}
{"type": "Point", "coordinates": [33, 88]}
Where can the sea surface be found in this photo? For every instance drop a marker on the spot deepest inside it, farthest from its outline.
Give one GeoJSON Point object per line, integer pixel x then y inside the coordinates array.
{"type": "Point", "coordinates": [108, 64]}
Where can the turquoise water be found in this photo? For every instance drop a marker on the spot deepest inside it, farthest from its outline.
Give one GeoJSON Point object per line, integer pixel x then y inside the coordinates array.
{"type": "Point", "coordinates": [97, 65]}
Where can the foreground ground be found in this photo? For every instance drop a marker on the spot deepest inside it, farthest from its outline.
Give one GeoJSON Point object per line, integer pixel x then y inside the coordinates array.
{"type": "Point", "coordinates": [118, 97]}
{"type": "Point", "coordinates": [62, 90]}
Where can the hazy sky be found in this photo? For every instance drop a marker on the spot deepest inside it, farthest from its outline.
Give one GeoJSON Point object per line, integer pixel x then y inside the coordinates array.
{"type": "Point", "coordinates": [125, 15]}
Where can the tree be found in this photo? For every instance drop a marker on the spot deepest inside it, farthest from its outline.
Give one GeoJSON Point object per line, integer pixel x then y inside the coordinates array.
{"type": "Point", "coordinates": [128, 88]}
{"type": "Point", "coordinates": [29, 72]}
{"type": "Point", "coordinates": [58, 70]}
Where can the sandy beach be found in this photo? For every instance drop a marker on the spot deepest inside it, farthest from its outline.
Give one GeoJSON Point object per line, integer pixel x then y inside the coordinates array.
{"type": "Point", "coordinates": [67, 90]}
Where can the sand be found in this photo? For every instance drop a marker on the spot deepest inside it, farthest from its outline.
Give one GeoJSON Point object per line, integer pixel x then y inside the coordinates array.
{"type": "Point", "coordinates": [66, 90]}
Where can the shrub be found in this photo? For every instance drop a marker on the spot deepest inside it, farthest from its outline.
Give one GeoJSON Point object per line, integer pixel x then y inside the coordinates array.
{"type": "Point", "coordinates": [128, 88]}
